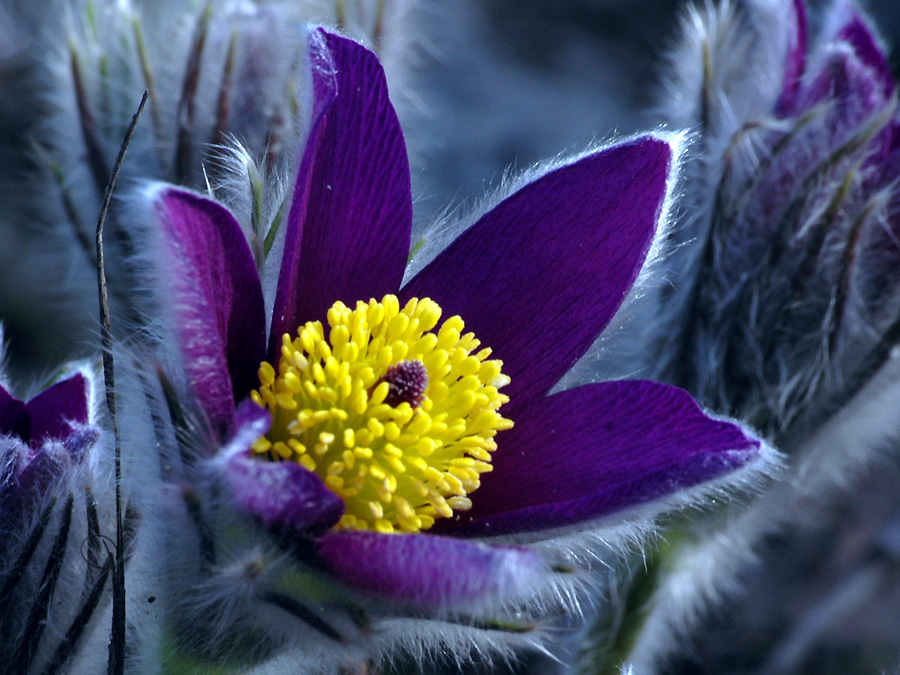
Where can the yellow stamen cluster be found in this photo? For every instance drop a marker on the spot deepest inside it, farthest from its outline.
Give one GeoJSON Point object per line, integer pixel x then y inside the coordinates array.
{"type": "Point", "coordinates": [397, 467]}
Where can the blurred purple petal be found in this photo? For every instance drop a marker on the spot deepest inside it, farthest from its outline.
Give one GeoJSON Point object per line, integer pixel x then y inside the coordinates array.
{"type": "Point", "coordinates": [283, 495]}
{"type": "Point", "coordinates": [860, 36]}
{"type": "Point", "coordinates": [249, 423]}
{"type": "Point", "coordinates": [27, 476]}
{"type": "Point", "coordinates": [598, 449]}
{"type": "Point", "coordinates": [44, 466]}
{"type": "Point", "coordinates": [52, 410]}
{"type": "Point", "coordinates": [539, 277]}
{"type": "Point", "coordinates": [773, 215]}
{"type": "Point", "coordinates": [846, 80]}
{"type": "Point", "coordinates": [430, 571]}
{"type": "Point", "coordinates": [348, 231]}
{"type": "Point", "coordinates": [795, 63]}
{"type": "Point", "coordinates": [80, 441]}
{"type": "Point", "coordinates": [217, 300]}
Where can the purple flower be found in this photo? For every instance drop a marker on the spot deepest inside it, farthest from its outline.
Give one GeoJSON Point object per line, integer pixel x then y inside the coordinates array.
{"type": "Point", "coordinates": [41, 440]}
{"type": "Point", "coordinates": [398, 445]}
{"type": "Point", "coordinates": [53, 569]}
{"type": "Point", "coordinates": [793, 302]}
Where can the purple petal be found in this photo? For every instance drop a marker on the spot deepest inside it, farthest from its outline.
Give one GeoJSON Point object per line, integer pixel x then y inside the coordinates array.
{"type": "Point", "coordinates": [598, 449]}
{"type": "Point", "coordinates": [865, 45]}
{"type": "Point", "coordinates": [249, 423]}
{"type": "Point", "coordinates": [43, 468]}
{"type": "Point", "coordinates": [846, 79]}
{"type": "Point", "coordinates": [428, 571]}
{"type": "Point", "coordinates": [823, 150]}
{"type": "Point", "coordinates": [539, 277]}
{"type": "Point", "coordinates": [25, 478]}
{"type": "Point", "coordinates": [348, 231]}
{"type": "Point", "coordinates": [80, 441]}
{"type": "Point", "coordinates": [54, 409]}
{"type": "Point", "coordinates": [795, 63]}
{"type": "Point", "coordinates": [283, 495]}
{"type": "Point", "coordinates": [14, 419]}
{"type": "Point", "coordinates": [217, 300]}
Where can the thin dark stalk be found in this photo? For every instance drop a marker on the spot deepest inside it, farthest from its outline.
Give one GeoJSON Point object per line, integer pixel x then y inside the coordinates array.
{"type": "Point", "coordinates": [207, 543]}
{"type": "Point", "coordinates": [116, 664]}
{"type": "Point", "coordinates": [182, 164]}
{"type": "Point", "coordinates": [93, 524]}
{"type": "Point", "coordinates": [501, 625]}
{"type": "Point", "coordinates": [223, 106]}
{"type": "Point", "coordinates": [92, 140]}
{"type": "Point", "coordinates": [303, 613]}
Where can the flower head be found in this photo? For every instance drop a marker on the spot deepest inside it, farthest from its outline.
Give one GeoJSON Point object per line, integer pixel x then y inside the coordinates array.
{"type": "Point", "coordinates": [791, 307]}
{"type": "Point", "coordinates": [53, 568]}
{"type": "Point", "coordinates": [391, 435]}
{"type": "Point", "coordinates": [789, 319]}
{"type": "Point", "coordinates": [44, 438]}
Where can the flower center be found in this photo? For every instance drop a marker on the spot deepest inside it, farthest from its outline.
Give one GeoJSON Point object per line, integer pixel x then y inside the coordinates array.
{"type": "Point", "coordinates": [397, 418]}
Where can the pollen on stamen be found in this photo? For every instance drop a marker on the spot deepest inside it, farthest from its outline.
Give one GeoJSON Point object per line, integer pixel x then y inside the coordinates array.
{"type": "Point", "coordinates": [395, 413]}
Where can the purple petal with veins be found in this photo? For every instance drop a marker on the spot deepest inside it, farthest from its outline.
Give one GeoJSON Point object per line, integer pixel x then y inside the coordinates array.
{"type": "Point", "coordinates": [539, 276]}
{"type": "Point", "coordinates": [217, 300]}
{"type": "Point", "coordinates": [597, 450]}
{"type": "Point", "coordinates": [348, 231]}
{"type": "Point", "coordinates": [430, 571]}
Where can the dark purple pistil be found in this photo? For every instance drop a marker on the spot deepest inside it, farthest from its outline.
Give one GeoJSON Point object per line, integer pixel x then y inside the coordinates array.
{"type": "Point", "coordinates": [407, 381]}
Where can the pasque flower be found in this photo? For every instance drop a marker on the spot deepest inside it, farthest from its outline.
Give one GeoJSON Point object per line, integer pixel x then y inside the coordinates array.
{"type": "Point", "coordinates": [53, 565]}
{"type": "Point", "coordinates": [791, 307]}
{"type": "Point", "coordinates": [400, 441]}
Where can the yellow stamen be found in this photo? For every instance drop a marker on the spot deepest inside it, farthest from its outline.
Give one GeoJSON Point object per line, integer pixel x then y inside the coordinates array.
{"type": "Point", "coordinates": [396, 415]}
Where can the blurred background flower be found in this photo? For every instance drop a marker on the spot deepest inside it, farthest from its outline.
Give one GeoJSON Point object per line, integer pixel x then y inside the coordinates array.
{"type": "Point", "coordinates": [788, 307]}
{"type": "Point", "coordinates": [55, 533]}
{"type": "Point", "coordinates": [787, 317]}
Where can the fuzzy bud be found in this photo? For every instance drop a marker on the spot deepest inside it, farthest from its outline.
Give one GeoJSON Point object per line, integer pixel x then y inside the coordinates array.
{"type": "Point", "coordinates": [791, 304]}
{"type": "Point", "coordinates": [55, 558]}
